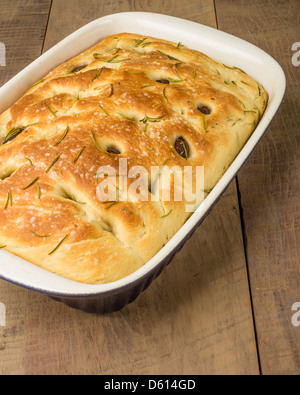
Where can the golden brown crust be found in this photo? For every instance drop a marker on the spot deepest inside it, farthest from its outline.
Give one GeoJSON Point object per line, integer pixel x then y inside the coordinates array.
{"type": "Point", "coordinates": [48, 188]}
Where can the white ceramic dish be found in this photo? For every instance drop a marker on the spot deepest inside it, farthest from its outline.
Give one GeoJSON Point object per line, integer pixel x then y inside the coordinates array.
{"type": "Point", "coordinates": [216, 44]}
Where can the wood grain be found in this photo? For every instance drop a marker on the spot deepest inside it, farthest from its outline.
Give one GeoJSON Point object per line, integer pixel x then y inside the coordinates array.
{"type": "Point", "coordinates": [270, 186]}
{"type": "Point", "coordinates": [22, 29]}
{"type": "Point", "coordinates": [196, 318]}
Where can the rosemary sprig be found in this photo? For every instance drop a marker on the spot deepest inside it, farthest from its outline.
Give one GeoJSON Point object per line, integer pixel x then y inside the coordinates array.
{"type": "Point", "coordinates": [12, 134]}
{"type": "Point", "coordinates": [144, 45]}
{"type": "Point", "coordinates": [204, 120]}
{"type": "Point", "coordinates": [63, 136]}
{"type": "Point", "coordinates": [39, 190]}
{"type": "Point", "coordinates": [105, 112]}
{"type": "Point", "coordinates": [31, 183]}
{"type": "Point", "coordinates": [97, 144]}
{"type": "Point", "coordinates": [111, 90]}
{"type": "Point", "coordinates": [125, 116]}
{"type": "Point", "coordinates": [98, 74]}
{"type": "Point", "coordinates": [9, 200]}
{"type": "Point", "coordinates": [53, 163]}
{"type": "Point", "coordinates": [164, 93]}
{"type": "Point", "coordinates": [174, 81]}
{"type": "Point", "coordinates": [110, 204]}
{"type": "Point", "coordinates": [150, 119]}
{"type": "Point", "coordinates": [42, 236]}
{"type": "Point", "coordinates": [169, 56]}
{"type": "Point", "coordinates": [146, 86]}
{"type": "Point", "coordinates": [58, 245]}
{"type": "Point", "coordinates": [147, 120]}
{"type": "Point", "coordinates": [166, 215]}
{"type": "Point", "coordinates": [29, 160]}
{"type": "Point", "coordinates": [250, 111]}
{"type": "Point", "coordinates": [79, 154]}
{"type": "Point", "coordinates": [38, 82]}
{"type": "Point", "coordinates": [112, 60]}
{"type": "Point", "coordinates": [139, 42]}
{"type": "Point", "coordinates": [234, 68]}
{"type": "Point", "coordinates": [50, 110]}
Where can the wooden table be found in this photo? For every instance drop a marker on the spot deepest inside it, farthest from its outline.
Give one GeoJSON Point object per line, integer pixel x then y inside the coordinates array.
{"type": "Point", "coordinates": [224, 305]}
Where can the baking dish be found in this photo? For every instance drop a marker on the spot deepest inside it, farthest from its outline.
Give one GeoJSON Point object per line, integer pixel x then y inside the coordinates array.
{"type": "Point", "coordinates": [222, 47]}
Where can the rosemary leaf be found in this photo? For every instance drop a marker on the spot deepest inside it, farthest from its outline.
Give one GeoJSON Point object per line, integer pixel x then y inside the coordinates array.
{"type": "Point", "coordinates": [1, 247]}
{"type": "Point", "coordinates": [174, 81]}
{"type": "Point", "coordinates": [139, 42]}
{"type": "Point", "coordinates": [146, 86]}
{"type": "Point", "coordinates": [53, 163]}
{"type": "Point", "coordinates": [39, 190]}
{"type": "Point", "coordinates": [146, 44]}
{"type": "Point", "coordinates": [125, 116]}
{"type": "Point", "coordinates": [111, 90]}
{"type": "Point", "coordinates": [110, 205]}
{"type": "Point", "coordinates": [96, 143]}
{"type": "Point", "coordinates": [63, 136]}
{"type": "Point", "coordinates": [58, 245]}
{"type": "Point", "coordinates": [8, 200]}
{"type": "Point", "coordinates": [112, 60]}
{"type": "Point", "coordinates": [79, 154]}
{"type": "Point", "coordinates": [150, 119]}
{"type": "Point", "coordinates": [12, 134]}
{"type": "Point", "coordinates": [165, 216]}
{"type": "Point", "coordinates": [31, 183]}
{"type": "Point", "coordinates": [42, 236]}
{"type": "Point", "coordinates": [234, 68]}
{"type": "Point", "coordinates": [98, 74]}
{"type": "Point", "coordinates": [39, 82]}
{"type": "Point", "coordinates": [169, 56]}
{"type": "Point", "coordinates": [29, 160]}
{"type": "Point", "coordinates": [50, 110]}
{"type": "Point", "coordinates": [204, 123]}
{"type": "Point", "coordinates": [105, 112]}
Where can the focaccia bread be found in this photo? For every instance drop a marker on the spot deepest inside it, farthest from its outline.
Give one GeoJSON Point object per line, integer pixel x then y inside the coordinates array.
{"type": "Point", "coordinates": [144, 99]}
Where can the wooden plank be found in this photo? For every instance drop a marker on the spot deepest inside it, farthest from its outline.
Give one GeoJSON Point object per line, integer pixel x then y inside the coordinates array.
{"type": "Point", "coordinates": [270, 186]}
{"type": "Point", "coordinates": [22, 29]}
{"type": "Point", "coordinates": [195, 318]}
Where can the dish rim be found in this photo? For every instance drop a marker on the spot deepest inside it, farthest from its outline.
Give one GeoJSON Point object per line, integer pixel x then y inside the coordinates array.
{"type": "Point", "coordinates": [164, 22]}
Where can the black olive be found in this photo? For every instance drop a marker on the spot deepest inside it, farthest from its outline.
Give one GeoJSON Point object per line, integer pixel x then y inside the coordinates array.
{"type": "Point", "coordinates": [79, 68]}
{"type": "Point", "coordinates": [113, 150]}
{"type": "Point", "coordinates": [163, 81]}
{"type": "Point", "coordinates": [182, 147]}
{"type": "Point", "coordinates": [205, 110]}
